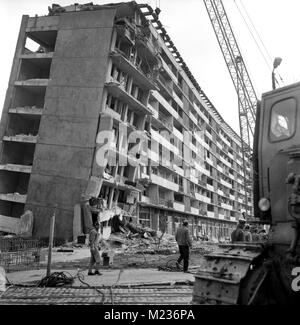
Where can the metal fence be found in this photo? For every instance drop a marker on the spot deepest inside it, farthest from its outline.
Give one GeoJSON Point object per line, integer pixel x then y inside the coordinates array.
{"type": "Point", "coordinates": [19, 253]}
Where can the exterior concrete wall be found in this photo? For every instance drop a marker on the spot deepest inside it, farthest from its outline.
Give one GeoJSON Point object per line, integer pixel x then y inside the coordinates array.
{"type": "Point", "coordinates": [68, 129]}
{"type": "Point", "coordinates": [13, 76]}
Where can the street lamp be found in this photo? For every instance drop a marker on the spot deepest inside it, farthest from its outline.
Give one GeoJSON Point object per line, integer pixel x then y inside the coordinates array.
{"type": "Point", "coordinates": [276, 63]}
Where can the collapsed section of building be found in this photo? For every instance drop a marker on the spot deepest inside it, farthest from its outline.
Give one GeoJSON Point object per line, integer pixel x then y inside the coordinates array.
{"type": "Point", "coordinates": [105, 107]}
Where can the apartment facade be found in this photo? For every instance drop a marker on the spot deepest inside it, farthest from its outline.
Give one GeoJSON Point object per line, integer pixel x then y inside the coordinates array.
{"type": "Point", "coordinates": [107, 97]}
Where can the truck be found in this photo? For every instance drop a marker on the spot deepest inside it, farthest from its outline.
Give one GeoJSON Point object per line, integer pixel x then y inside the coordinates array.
{"type": "Point", "coordinates": [268, 272]}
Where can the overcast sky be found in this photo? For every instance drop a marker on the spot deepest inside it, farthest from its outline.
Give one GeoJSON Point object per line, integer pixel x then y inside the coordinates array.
{"type": "Point", "coordinates": [188, 25]}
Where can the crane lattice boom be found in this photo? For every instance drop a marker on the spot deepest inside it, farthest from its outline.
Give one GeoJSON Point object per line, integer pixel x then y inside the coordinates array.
{"type": "Point", "coordinates": [237, 69]}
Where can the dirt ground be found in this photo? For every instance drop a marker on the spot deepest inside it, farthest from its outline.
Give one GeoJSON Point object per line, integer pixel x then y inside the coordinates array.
{"type": "Point", "coordinates": [78, 258]}
{"type": "Point", "coordinates": [138, 260]}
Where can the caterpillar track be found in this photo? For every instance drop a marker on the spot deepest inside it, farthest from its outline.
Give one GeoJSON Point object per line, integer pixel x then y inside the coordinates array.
{"type": "Point", "coordinates": [220, 278]}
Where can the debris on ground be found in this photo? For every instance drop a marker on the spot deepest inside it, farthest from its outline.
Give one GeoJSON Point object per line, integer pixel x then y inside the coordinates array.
{"type": "Point", "coordinates": [132, 238]}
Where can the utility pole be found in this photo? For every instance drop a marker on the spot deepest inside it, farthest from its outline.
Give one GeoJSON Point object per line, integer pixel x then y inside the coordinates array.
{"type": "Point", "coordinates": [51, 236]}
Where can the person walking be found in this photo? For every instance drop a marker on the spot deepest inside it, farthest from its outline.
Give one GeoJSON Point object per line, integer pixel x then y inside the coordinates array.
{"type": "Point", "coordinates": [93, 243]}
{"type": "Point", "coordinates": [184, 242]}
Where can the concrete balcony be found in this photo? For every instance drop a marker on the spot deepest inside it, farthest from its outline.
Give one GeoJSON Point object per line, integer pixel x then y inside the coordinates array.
{"type": "Point", "coordinates": [226, 183]}
{"type": "Point", "coordinates": [195, 211]}
{"type": "Point", "coordinates": [240, 181]}
{"type": "Point", "coordinates": [219, 146]}
{"type": "Point", "coordinates": [220, 169]}
{"type": "Point", "coordinates": [167, 144]}
{"type": "Point", "coordinates": [16, 168]}
{"type": "Point", "coordinates": [226, 206]}
{"type": "Point", "coordinates": [165, 104]}
{"type": "Point", "coordinates": [225, 162]}
{"type": "Point", "coordinates": [193, 118]}
{"type": "Point", "coordinates": [202, 198]}
{"type": "Point", "coordinates": [165, 86]}
{"type": "Point", "coordinates": [169, 71]}
{"type": "Point", "coordinates": [159, 121]}
{"type": "Point", "coordinates": [178, 170]}
{"type": "Point", "coordinates": [202, 142]}
{"type": "Point", "coordinates": [145, 199]}
{"type": "Point", "coordinates": [37, 56]}
{"type": "Point", "coordinates": [144, 177]}
{"type": "Point", "coordinates": [178, 134]}
{"type": "Point", "coordinates": [153, 111]}
{"type": "Point", "coordinates": [243, 192]}
{"type": "Point", "coordinates": [108, 111]}
{"type": "Point", "coordinates": [210, 187]}
{"type": "Point", "coordinates": [210, 214]}
{"type": "Point", "coordinates": [224, 140]}
{"type": "Point", "coordinates": [145, 82]}
{"type": "Point", "coordinates": [118, 91]}
{"type": "Point", "coordinates": [202, 170]}
{"type": "Point", "coordinates": [193, 179]}
{"type": "Point", "coordinates": [208, 135]}
{"type": "Point", "coordinates": [198, 110]}
{"type": "Point", "coordinates": [239, 162]}
{"type": "Point", "coordinates": [208, 160]}
{"type": "Point", "coordinates": [220, 192]}
{"type": "Point", "coordinates": [14, 197]}
{"type": "Point", "coordinates": [177, 100]}
{"type": "Point", "coordinates": [221, 216]}
{"type": "Point", "coordinates": [32, 83]}
{"type": "Point", "coordinates": [122, 154]}
{"type": "Point", "coordinates": [192, 147]}
{"type": "Point", "coordinates": [179, 206]}
{"type": "Point", "coordinates": [233, 219]}
{"type": "Point", "coordinates": [158, 180]}
{"type": "Point", "coordinates": [202, 115]}
{"type": "Point", "coordinates": [230, 156]}
{"type": "Point", "coordinates": [167, 122]}
{"type": "Point", "coordinates": [147, 48]}
{"type": "Point", "coordinates": [232, 197]}
{"type": "Point", "coordinates": [21, 138]}
{"type": "Point", "coordinates": [163, 202]}
{"type": "Point", "coordinates": [27, 110]}
{"type": "Point", "coordinates": [154, 156]}
{"type": "Point", "coordinates": [231, 176]}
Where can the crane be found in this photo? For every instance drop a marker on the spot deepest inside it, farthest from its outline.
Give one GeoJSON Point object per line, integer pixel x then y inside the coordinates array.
{"type": "Point", "coordinates": [247, 98]}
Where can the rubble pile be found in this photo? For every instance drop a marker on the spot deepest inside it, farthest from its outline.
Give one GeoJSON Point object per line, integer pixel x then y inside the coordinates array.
{"type": "Point", "coordinates": [130, 238]}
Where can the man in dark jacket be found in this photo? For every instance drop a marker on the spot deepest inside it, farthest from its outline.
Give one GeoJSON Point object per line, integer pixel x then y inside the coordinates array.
{"type": "Point", "coordinates": [238, 234]}
{"type": "Point", "coordinates": [184, 242]}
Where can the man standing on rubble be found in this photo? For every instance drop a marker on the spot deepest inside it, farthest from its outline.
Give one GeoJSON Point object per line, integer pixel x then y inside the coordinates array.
{"type": "Point", "coordinates": [184, 242]}
{"type": "Point", "coordinates": [93, 243]}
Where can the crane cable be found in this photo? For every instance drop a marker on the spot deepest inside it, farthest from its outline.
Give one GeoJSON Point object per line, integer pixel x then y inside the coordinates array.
{"type": "Point", "coordinates": [255, 40]}
{"type": "Point", "coordinates": [257, 33]}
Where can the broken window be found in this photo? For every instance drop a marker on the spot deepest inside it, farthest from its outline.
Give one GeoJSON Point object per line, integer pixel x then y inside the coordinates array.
{"type": "Point", "coordinates": [40, 41]}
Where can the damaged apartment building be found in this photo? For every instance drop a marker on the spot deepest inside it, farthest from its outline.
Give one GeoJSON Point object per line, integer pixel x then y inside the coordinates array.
{"type": "Point", "coordinates": [114, 68]}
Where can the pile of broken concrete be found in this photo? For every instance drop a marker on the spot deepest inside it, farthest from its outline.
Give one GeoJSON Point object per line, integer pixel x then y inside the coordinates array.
{"type": "Point", "coordinates": [132, 238]}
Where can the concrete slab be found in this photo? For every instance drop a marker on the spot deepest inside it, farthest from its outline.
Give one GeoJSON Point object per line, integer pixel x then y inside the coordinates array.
{"type": "Point", "coordinates": [108, 277]}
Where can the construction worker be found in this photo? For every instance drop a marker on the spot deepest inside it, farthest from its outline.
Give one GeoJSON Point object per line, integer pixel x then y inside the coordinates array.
{"type": "Point", "coordinates": [238, 235]}
{"type": "Point", "coordinates": [262, 235]}
{"type": "Point", "coordinates": [254, 233]}
{"type": "Point", "coordinates": [184, 242]}
{"type": "Point", "coordinates": [94, 243]}
{"type": "Point", "coordinates": [247, 234]}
